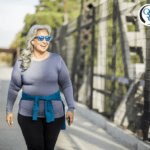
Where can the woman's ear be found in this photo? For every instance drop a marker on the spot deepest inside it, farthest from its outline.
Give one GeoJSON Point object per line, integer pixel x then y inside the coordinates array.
{"type": "Point", "coordinates": [32, 42]}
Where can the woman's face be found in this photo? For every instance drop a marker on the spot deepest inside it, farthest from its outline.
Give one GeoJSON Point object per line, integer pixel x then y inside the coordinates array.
{"type": "Point", "coordinates": [40, 46]}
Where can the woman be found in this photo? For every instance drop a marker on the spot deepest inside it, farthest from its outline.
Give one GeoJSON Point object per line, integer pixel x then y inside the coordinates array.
{"type": "Point", "coordinates": [39, 73]}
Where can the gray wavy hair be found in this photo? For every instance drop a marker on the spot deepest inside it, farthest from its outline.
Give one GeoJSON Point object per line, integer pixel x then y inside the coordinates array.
{"type": "Point", "coordinates": [25, 55]}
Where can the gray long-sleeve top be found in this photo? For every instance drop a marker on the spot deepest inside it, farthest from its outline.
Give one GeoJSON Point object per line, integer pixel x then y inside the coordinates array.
{"type": "Point", "coordinates": [41, 78]}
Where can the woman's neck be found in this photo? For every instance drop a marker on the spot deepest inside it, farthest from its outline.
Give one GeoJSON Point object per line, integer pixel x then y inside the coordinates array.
{"type": "Point", "coordinates": [36, 56]}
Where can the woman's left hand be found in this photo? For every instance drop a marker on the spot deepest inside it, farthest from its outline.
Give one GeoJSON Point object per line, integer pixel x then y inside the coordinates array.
{"type": "Point", "coordinates": [70, 114]}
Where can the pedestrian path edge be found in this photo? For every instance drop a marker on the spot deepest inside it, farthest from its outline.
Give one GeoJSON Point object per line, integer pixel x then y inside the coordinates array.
{"type": "Point", "coordinates": [125, 136]}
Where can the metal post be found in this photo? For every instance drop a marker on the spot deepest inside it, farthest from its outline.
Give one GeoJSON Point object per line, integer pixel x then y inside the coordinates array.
{"type": "Point", "coordinates": [76, 56]}
{"type": "Point", "coordinates": [92, 58]}
{"type": "Point", "coordinates": [76, 62]}
{"type": "Point", "coordinates": [146, 115]}
{"type": "Point", "coordinates": [115, 9]}
{"type": "Point", "coordinates": [53, 42]}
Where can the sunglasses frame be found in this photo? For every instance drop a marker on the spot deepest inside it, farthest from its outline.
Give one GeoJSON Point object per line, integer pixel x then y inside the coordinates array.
{"type": "Point", "coordinates": [38, 37]}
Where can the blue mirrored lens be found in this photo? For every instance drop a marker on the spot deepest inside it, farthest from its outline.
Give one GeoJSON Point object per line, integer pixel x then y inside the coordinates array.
{"type": "Point", "coordinates": [40, 38]}
{"type": "Point", "coordinates": [47, 38]}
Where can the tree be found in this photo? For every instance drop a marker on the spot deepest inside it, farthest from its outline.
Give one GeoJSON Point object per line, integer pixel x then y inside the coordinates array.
{"type": "Point", "coordinates": [48, 12]}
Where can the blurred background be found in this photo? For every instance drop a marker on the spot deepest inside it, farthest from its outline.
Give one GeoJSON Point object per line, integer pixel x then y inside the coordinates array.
{"type": "Point", "coordinates": [17, 16]}
{"type": "Point", "coordinates": [104, 47]}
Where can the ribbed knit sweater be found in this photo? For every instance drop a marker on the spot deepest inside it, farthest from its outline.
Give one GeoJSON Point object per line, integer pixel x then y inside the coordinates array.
{"type": "Point", "coordinates": [41, 78]}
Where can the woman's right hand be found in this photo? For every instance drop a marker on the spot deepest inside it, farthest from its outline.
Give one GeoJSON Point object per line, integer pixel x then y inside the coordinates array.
{"type": "Point", "coordinates": [9, 118]}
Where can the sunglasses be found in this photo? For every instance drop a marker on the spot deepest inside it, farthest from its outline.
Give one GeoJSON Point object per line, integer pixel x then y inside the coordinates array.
{"type": "Point", "coordinates": [41, 38]}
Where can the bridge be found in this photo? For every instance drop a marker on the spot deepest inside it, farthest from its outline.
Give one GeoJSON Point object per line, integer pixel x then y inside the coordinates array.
{"type": "Point", "coordinates": [15, 54]}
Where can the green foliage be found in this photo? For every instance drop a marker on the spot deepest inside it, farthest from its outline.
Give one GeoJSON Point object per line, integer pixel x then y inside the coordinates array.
{"type": "Point", "coordinates": [47, 13]}
{"type": "Point", "coordinates": [131, 28]}
{"type": "Point", "coordinates": [58, 6]}
{"type": "Point", "coordinates": [96, 44]}
{"type": "Point", "coordinates": [135, 59]}
{"type": "Point", "coordinates": [143, 2]}
{"type": "Point", "coordinates": [18, 42]}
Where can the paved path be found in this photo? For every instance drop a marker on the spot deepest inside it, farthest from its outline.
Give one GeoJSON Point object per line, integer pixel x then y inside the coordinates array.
{"type": "Point", "coordinates": [81, 135]}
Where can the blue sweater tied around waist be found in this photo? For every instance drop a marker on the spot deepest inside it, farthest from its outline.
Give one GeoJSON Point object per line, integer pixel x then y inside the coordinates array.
{"type": "Point", "coordinates": [49, 113]}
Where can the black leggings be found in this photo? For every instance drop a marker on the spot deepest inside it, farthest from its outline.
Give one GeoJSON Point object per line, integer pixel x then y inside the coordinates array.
{"type": "Point", "coordinates": [38, 134]}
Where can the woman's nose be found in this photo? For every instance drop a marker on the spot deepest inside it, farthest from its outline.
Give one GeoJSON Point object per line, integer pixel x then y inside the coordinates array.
{"type": "Point", "coordinates": [44, 41]}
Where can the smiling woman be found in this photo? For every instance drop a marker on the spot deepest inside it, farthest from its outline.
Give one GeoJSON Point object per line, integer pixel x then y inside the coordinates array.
{"type": "Point", "coordinates": [41, 107]}
{"type": "Point", "coordinates": [41, 45]}
{"type": "Point", "coordinates": [36, 47]}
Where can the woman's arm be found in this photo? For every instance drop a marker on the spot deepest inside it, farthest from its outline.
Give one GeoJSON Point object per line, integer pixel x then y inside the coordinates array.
{"type": "Point", "coordinates": [14, 86]}
{"type": "Point", "coordinates": [66, 85]}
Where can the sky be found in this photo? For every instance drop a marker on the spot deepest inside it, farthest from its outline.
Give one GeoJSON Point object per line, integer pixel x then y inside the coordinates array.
{"type": "Point", "coordinates": [12, 15]}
